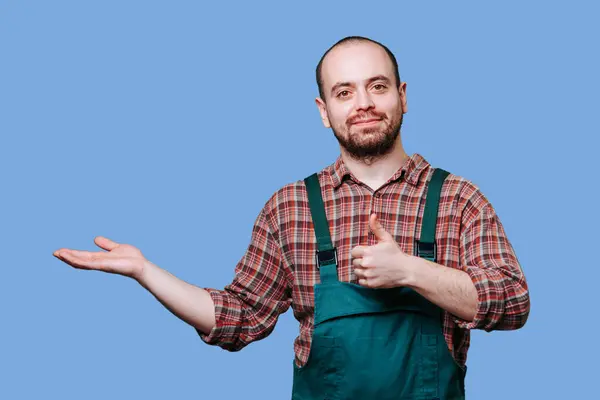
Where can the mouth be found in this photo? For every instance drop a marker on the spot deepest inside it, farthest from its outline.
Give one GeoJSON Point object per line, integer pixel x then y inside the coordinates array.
{"type": "Point", "coordinates": [366, 122]}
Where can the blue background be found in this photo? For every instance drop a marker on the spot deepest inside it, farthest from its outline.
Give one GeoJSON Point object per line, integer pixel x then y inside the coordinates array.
{"type": "Point", "coordinates": [168, 125]}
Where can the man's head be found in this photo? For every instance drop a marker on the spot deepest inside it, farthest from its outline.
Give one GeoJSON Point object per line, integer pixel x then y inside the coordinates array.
{"type": "Point", "coordinates": [361, 96]}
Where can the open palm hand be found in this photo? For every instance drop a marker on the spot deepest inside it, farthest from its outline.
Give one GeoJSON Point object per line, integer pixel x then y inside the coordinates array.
{"type": "Point", "coordinates": [122, 259]}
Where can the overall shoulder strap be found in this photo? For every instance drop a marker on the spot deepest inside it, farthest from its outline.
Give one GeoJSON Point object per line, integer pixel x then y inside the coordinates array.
{"type": "Point", "coordinates": [326, 255]}
{"type": "Point", "coordinates": [426, 247]}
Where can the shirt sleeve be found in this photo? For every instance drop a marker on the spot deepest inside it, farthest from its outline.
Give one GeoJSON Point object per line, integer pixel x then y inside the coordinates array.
{"type": "Point", "coordinates": [248, 308]}
{"type": "Point", "coordinates": [489, 258]}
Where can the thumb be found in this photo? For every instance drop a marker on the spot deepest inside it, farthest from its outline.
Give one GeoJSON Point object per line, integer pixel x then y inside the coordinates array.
{"type": "Point", "coordinates": [380, 233]}
{"type": "Point", "coordinates": [105, 243]}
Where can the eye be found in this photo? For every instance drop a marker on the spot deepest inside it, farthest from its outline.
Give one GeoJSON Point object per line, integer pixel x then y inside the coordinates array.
{"type": "Point", "coordinates": [344, 94]}
{"type": "Point", "coordinates": [379, 86]}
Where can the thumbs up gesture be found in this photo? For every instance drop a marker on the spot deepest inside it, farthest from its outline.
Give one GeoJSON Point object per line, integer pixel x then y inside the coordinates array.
{"type": "Point", "coordinates": [383, 265]}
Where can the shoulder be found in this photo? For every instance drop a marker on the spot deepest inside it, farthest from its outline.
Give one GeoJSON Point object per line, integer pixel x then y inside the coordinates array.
{"type": "Point", "coordinates": [465, 198]}
{"type": "Point", "coordinates": [291, 197]}
{"type": "Point", "coordinates": [293, 193]}
{"type": "Point", "coordinates": [456, 189]}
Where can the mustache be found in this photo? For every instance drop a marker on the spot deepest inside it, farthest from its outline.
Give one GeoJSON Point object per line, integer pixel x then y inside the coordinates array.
{"type": "Point", "coordinates": [363, 117]}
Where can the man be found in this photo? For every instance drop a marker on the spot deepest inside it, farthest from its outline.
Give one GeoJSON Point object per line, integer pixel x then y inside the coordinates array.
{"type": "Point", "coordinates": [386, 261]}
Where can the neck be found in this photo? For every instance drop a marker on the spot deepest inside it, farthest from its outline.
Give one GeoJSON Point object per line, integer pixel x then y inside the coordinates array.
{"type": "Point", "coordinates": [375, 171]}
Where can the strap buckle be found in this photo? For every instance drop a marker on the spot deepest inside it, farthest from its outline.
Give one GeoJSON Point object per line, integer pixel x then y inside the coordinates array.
{"type": "Point", "coordinates": [427, 250]}
{"type": "Point", "coordinates": [326, 257]}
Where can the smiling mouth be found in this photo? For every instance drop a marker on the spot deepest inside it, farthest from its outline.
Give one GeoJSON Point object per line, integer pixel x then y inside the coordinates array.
{"type": "Point", "coordinates": [366, 122]}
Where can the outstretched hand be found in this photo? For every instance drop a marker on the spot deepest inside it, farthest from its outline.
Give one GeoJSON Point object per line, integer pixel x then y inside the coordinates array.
{"type": "Point", "coordinates": [122, 259]}
{"type": "Point", "coordinates": [383, 265]}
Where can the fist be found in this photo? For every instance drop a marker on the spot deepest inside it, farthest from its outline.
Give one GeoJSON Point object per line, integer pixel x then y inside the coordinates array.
{"type": "Point", "coordinates": [383, 265]}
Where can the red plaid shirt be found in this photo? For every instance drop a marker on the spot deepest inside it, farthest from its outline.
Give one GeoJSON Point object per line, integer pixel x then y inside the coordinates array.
{"type": "Point", "coordinates": [278, 269]}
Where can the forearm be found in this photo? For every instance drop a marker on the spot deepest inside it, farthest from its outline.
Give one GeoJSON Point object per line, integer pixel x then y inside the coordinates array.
{"type": "Point", "coordinates": [450, 289]}
{"type": "Point", "coordinates": [190, 303]}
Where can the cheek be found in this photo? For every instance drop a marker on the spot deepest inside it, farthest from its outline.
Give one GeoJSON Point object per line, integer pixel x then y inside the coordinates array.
{"type": "Point", "coordinates": [339, 114]}
{"type": "Point", "coordinates": [389, 105]}
{"type": "Point", "coordinates": [334, 117]}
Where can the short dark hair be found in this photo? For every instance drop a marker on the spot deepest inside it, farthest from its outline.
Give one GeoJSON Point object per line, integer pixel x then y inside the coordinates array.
{"type": "Point", "coordinates": [355, 39]}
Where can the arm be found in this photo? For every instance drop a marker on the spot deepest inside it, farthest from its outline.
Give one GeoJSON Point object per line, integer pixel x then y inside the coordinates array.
{"type": "Point", "coordinates": [249, 307]}
{"type": "Point", "coordinates": [188, 302]}
{"type": "Point", "coordinates": [490, 292]}
{"type": "Point", "coordinates": [245, 311]}
{"type": "Point", "coordinates": [448, 288]}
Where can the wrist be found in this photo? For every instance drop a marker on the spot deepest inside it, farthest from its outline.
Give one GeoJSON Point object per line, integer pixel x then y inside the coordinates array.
{"type": "Point", "coordinates": [415, 267]}
{"type": "Point", "coordinates": [145, 268]}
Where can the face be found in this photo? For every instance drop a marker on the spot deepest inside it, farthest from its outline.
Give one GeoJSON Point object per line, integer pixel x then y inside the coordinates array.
{"type": "Point", "coordinates": [363, 105]}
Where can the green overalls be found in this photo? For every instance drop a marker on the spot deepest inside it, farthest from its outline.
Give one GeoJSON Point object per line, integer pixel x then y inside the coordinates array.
{"type": "Point", "coordinates": [375, 343]}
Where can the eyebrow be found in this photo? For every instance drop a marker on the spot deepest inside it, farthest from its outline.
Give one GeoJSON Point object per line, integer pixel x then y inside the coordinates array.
{"type": "Point", "coordinates": [370, 80]}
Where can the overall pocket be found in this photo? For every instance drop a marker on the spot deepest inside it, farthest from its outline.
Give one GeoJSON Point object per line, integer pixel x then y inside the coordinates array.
{"type": "Point", "coordinates": [382, 368]}
{"type": "Point", "coordinates": [321, 376]}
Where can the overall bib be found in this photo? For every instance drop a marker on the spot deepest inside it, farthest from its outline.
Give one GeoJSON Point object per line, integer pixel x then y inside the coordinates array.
{"type": "Point", "coordinates": [375, 343]}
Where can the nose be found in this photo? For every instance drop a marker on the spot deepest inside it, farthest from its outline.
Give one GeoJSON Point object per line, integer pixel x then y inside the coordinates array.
{"type": "Point", "coordinates": [363, 100]}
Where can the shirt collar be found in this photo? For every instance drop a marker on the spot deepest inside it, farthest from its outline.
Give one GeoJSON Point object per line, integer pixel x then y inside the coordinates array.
{"type": "Point", "coordinates": [410, 171]}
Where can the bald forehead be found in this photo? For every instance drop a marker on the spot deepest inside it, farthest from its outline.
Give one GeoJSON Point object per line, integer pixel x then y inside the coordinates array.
{"type": "Point", "coordinates": [355, 62]}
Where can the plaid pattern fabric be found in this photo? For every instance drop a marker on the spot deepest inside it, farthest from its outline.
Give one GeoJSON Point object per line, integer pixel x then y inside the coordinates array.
{"type": "Point", "coordinates": [278, 269]}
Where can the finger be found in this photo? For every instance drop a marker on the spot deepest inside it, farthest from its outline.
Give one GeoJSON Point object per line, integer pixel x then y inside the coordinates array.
{"type": "Point", "coordinates": [81, 254]}
{"type": "Point", "coordinates": [83, 259]}
{"type": "Point", "coordinates": [377, 228]}
{"type": "Point", "coordinates": [366, 283]}
{"type": "Point", "coordinates": [359, 251]}
{"type": "Point", "coordinates": [364, 273]}
{"type": "Point", "coordinates": [369, 282]}
{"type": "Point", "coordinates": [105, 243]}
{"type": "Point", "coordinates": [363, 262]}
{"type": "Point", "coordinates": [69, 257]}
{"type": "Point", "coordinates": [359, 272]}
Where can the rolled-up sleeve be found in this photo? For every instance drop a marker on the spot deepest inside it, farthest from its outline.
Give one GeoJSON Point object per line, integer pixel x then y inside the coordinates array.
{"type": "Point", "coordinates": [247, 309]}
{"type": "Point", "coordinates": [488, 257]}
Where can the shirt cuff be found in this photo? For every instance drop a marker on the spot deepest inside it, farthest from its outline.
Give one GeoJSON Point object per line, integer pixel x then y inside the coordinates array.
{"type": "Point", "coordinates": [222, 334]}
{"type": "Point", "coordinates": [480, 280]}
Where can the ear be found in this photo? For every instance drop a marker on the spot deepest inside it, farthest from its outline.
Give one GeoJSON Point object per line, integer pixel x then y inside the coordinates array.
{"type": "Point", "coordinates": [403, 101]}
{"type": "Point", "coordinates": [323, 111]}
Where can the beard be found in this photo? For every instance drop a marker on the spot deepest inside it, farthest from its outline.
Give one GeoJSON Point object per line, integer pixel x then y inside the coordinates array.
{"type": "Point", "coordinates": [369, 143]}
